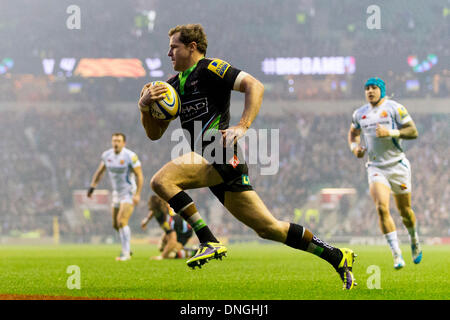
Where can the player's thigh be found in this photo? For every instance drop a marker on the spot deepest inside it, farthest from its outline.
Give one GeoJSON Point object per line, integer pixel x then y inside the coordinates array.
{"type": "Point", "coordinates": [188, 171]}
{"type": "Point", "coordinates": [380, 193]}
{"type": "Point", "coordinates": [248, 208]}
{"type": "Point", "coordinates": [125, 212]}
{"type": "Point", "coordinates": [403, 201]}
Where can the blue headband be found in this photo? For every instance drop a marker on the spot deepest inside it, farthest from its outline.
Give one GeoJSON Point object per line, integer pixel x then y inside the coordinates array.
{"type": "Point", "coordinates": [379, 83]}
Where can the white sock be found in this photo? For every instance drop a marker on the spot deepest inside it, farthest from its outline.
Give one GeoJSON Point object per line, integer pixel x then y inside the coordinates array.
{"type": "Point", "coordinates": [413, 236]}
{"type": "Point", "coordinates": [127, 237]}
{"type": "Point", "coordinates": [392, 240]}
{"type": "Point", "coordinates": [122, 238]}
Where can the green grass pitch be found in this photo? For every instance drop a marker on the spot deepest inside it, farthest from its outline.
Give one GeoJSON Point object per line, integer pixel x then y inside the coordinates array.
{"type": "Point", "coordinates": [251, 271]}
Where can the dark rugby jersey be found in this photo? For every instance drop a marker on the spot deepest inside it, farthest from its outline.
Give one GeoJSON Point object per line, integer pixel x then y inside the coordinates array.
{"type": "Point", "coordinates": [205, 99]}
{"type": "Point", "coordinates": [178, 224]}
{"type": "Point", "coordinates": [161, 215]}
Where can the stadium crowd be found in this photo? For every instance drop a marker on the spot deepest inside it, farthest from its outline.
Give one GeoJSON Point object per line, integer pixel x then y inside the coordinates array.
{"type": "Point", "coordinates": [290, 28]}
{"type": "Point", "coordinates": [52, 152]}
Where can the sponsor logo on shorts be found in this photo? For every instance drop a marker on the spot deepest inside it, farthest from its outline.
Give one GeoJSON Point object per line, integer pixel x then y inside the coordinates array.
{"type": "Point", "coordinates": [234, 161]}
{"type": "Point", "coordinates": [245, 179]}
{"type": "Point", "coordinates": [403, 186]}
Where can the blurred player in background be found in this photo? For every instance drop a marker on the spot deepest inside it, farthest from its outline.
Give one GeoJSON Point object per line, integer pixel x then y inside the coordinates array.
{"type": "Point", "coordinates": [123, 166]}
{"type": "Point", "coordinates": [204, 86]}
{"type": "Point", "coordinates": [384, 123]}
{"type": "Point", "coordinates": [176, 231]}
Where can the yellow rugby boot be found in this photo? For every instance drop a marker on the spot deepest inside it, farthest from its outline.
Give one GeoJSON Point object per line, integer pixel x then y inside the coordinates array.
{"type": "Point", "coordinates": [345, 268]}
{"type": "Point", "coordinates": [206, 252]}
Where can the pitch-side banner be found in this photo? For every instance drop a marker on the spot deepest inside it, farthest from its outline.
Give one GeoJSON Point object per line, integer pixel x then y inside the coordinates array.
{"type": "Point", "coordinates": [308, 65]}
{"type": "Point", "coordinates": [125, 68]}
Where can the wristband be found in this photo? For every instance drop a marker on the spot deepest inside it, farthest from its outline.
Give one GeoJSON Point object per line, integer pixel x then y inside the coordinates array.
{"type": "Point", "coordinates": [353, 146]}
{"type": "Point", "coordinates": [91, 190]}
{"type": "Point", "coordinates": [394, 133]}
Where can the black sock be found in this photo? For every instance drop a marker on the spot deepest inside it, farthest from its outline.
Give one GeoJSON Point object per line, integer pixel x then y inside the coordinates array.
{"type": "Point", "coordinates": [183, 205]}
{"type": "Point", "coordinates": [301, 238]}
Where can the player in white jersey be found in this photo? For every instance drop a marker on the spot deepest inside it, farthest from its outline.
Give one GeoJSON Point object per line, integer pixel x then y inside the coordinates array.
{"type": "Point", "coordinates": [123, 166]}
{"type": "Point", "coordinates": [384, 123]}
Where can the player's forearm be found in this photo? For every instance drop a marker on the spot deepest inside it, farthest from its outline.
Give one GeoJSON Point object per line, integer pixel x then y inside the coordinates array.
{"type": "Point", "coordinates": [139, 183]}
{"type": "Point", "coordinates": [154, 128]}
{"type": "Point", "coordinates": [353, 138]}
{"type": "Point", "coordinates": [149, 216]}
{"type": "Point", "coordinates": [254, 92]}
{"type": "Point", "coordinates": [408, 133]}
{"type": "Point", "coordinates": [96, 179]}
{"type": "Point", "coordinates": [170, 244]}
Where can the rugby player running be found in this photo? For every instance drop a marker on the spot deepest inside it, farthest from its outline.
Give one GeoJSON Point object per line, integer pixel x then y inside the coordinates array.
{"type": "Point", "coordinates": [204, 86]}
{"type": "Point", "coordinates": [123, 165]}
{"type": "Point", "coordinates": [384, 123]}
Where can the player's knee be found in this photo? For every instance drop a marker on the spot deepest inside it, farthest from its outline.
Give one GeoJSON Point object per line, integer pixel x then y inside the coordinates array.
{"type": "Point", "coordinates": [382, 209]}
{"type": "Point", "coordinates": [406, 211]}
{"type": "Point", "coordinates": [157, 183]}
{"type": "Point", "coordinates": [122, 223]}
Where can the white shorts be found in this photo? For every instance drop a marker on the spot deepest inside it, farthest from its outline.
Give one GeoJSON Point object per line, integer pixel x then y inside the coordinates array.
{"type": "Point", "coordinates": [124, 197]}
{"type": "Point", "coordinates": [396, 176]}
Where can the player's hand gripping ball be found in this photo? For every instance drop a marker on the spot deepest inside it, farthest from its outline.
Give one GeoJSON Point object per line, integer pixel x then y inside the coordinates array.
{"type": "Point", "coordinates": [162, 104]}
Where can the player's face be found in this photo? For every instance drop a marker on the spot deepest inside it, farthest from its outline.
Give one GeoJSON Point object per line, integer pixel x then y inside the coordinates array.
{"type": "Point", "coordinates": [117, 143]}
{"type": "Point", "coordinates": [179, 53]}
{"type": "Point", "coordinates": [373, 94]}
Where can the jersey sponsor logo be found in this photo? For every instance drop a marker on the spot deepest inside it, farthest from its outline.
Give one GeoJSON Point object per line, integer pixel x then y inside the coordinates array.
{"type": "Point", "coordinates": [363, 117]}
{"type": "Point", "coordinates": [402, 112]}
{"type": "Point", "coordinates": [383, 114]}
{"type": "Point", "coordinates": [117, 169]}
{"type": "Point", "coordinates": [219, 67]}
{"type": "Point", "coordinates": [193, 109]}
{"type": "Point", "coordinates": [403, 186]}
{"type": "Point", "coordinates": [122, 161]}
{"type": "Point", "coordinates": [134, 158]}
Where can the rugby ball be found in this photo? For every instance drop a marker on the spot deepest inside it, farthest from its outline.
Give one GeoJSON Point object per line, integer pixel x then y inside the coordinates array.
{"type": "Point", "coordinates": [167, 108]}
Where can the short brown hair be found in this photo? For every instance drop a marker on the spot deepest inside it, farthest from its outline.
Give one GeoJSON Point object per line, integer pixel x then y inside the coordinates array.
{"type": "Point", "coordinates": [119, 134]}
{"type": "Point", "coordinates": [191, 33]}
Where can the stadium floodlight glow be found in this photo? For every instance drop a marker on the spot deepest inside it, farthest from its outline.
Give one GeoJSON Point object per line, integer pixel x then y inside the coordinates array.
{"type": "Point", "coordinates": [6, 64]}
{"type": "Point", "coordinates": [423, 66]}
{"type": "Point", "coordinates": [48, 65]}
{"type": "Point", "coordinates": [309, 65]}
{"type": "Point", "coordinates": [67, 64]}
{"type": "Point", "coordinates": [153, 65]}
